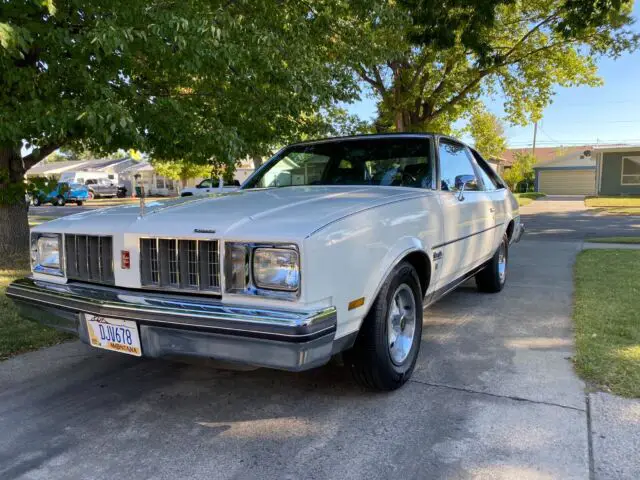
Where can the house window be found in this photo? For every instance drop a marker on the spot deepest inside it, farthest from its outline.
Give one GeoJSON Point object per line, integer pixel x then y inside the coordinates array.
{"type": "Point", "coordinates": [630, 171]}
{"type": "Point", "coordinates": [160, 182]}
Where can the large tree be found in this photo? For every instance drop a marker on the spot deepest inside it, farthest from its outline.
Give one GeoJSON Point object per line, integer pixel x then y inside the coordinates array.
{"type": "Point", "coordinates": [204, 80]}
{"type": "Point", "coordinates": [429, 62]}
{"type": "Point", "coordinates": [487, 132]}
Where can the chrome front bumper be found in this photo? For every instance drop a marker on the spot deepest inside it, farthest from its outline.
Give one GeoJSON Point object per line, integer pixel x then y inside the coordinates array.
{"type": "Point", "coordinates": [179, 325]}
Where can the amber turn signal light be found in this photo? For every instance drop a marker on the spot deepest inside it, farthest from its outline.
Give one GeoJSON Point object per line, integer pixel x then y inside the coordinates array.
{"type": "Point", "coordinates": [353, 304]}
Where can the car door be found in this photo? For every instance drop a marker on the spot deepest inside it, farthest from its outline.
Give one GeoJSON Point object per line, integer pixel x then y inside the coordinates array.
{"type": "Point", "coordinates": [467, 219]}
{"type": "Point", "coordinates": [205, 186]}
{"type": "Point", "coordinates": [496, 192]}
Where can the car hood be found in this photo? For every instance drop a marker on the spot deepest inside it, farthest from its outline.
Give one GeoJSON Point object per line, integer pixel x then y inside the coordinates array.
{"type": "Point", "coordinates": [265, 214]}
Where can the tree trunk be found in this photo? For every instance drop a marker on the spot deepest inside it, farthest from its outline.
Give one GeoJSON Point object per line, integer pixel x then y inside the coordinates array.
{"type": "Point", "coordinates": [400, 126]}
{"type": "Point", "coordinates": [14, 222]}
{"type": "Point", "coordinates": [257, 162]}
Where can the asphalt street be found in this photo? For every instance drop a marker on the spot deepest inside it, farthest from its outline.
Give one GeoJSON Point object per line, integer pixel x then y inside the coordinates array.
{"type": "Point", "coordinates": [493, 396]}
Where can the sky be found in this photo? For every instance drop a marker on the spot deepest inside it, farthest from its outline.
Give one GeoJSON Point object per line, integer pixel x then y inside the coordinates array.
{"type": "Point", "coordinates": [579, 115]}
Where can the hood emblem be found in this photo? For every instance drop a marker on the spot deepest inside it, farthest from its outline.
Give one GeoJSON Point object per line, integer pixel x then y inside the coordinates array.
{"type": "Point", "coordinates": [204, 230]}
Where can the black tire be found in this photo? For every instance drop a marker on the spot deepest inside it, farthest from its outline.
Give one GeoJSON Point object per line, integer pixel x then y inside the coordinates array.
{"type": "Point", "coordinates": [59, 202]}
{"type": "Point", "coordinates": [489, 280]}
{"type": "Point", "coordinates": [79, 203]}
{"type": "Point", "coordinates": [36, 202]}
{"type": "Point", "coordinates": [370, 359]}
{"type": "Point", "coordinates": [188, 194]}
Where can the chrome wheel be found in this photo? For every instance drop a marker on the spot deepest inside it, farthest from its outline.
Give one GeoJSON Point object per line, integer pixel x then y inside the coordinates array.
{"type": "Point", "coordinates": [401, 324]}
{"type": "Point", "coordinates": [502, 263]}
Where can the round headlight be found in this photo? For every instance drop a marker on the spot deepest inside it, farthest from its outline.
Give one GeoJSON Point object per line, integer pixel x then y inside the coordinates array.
{"type": "Point", "coordinates": [276, 269]}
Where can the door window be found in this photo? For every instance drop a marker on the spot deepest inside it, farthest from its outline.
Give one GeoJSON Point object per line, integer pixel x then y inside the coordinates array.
{"type": "Point", "coordinates": [454, 167]}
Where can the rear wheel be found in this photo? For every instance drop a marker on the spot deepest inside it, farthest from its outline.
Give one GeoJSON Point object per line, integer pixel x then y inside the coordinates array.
{"type": "Point", "coordinates": [79, 203]}
{"type": "Point", "coordinates": [91, 195]}
{"type": "Point", "coordinates": [493, 276]}
{"type": "Point", "coordinates": [36, 201]}
{"type": "Point", "coordinates": [387, 346]}
{"type": "Point", "coordinates": [59, 202]}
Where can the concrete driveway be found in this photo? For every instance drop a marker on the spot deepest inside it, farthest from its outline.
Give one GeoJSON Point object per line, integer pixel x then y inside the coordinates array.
{"type": "Point", "coordinates": [565, 218]}
{"type": "Point", "coordinates": [493, 396]}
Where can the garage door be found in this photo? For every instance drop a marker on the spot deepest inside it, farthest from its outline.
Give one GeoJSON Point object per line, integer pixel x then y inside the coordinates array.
{"type": "Point", "coordinates": [567, 182]}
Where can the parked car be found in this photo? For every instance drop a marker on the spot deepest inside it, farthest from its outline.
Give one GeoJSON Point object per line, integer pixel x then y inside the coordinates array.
{"type": "Point", "coordinates": [332, 246]}
{"type": "Point", "coordinates": [209, 185]}
{"type": "Point", "coordinates": [62, 194]}
{"type": "Point", "coordinates": [101, 187]}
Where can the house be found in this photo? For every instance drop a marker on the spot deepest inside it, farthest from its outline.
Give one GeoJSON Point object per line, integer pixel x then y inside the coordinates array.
{"type": "Point", "coordinates": [617, 170]}
{"type": "Point", "coordinates": [142, 174]}
{"type": "Point", "coordinates": [112, 167]}
{"type": "Point", "coordinates": [575, 170]}
{"type": "Point", "coordinates": [571, 174]}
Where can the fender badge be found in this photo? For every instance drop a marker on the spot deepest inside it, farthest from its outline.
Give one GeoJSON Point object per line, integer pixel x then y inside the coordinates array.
{"type": "Point", "coordinates": [204, 230]}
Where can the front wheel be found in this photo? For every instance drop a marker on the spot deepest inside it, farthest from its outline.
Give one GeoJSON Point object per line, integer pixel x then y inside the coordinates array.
{"type": "Point", "coordinates": [79, 203]}
{"type": "Point", "coordinates": [59, 202]}
{"type": "Point", "coordinates": [386, 349]}
{"type": "Point", "coordinates": [36, 201]}
{"type": "Point", "coordinates": [493, 276]}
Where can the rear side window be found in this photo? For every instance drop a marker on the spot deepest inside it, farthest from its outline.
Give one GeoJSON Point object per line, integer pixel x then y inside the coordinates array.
{"type": "Point", "coordinates": [490, 178]}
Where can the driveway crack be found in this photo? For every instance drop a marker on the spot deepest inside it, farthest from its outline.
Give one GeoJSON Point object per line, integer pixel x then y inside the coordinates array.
{"type": "Point", "coordinates": [495, 395]}
{"type": "Point", "coordinates": [592, 469]}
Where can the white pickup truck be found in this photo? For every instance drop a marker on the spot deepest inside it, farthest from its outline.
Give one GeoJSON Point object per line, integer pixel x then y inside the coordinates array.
{"type": "Point", "coordinates": [210, 185]}
{"type": "Point", "coordinates": [331, 247]}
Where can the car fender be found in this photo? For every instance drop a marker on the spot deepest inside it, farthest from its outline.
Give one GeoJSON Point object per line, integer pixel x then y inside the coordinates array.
{"type": "Point", "coordinates": [402, 248]}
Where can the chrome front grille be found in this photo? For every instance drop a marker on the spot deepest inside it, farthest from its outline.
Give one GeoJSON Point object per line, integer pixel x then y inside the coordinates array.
{"type": "Point", "coordinates": [89, 258]}
{"type": "Point", "coordinates": [180, 264]}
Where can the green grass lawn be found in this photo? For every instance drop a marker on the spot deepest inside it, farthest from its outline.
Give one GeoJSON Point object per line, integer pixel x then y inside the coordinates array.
{"type": "Point", "coordinates": [18, 335]}
{"type": "Point", "coordinates": [614, 240]}
{"type": "Point", "coordinates": [632, 201]}
{"type": "Point", "coordinates": [38, 219]}
{"type": "Point", "coordinates": [528, 197]}
{"type": "Point", "coordinates": [615, 205]}
{"type": "Point", "coordinates": [607, 319]}
{"type": "Point", "coordinates": [111, 202]}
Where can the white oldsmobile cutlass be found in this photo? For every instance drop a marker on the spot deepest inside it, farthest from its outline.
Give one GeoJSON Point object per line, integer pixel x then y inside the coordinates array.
{"type": "Point", "coordinates": [333, 246]}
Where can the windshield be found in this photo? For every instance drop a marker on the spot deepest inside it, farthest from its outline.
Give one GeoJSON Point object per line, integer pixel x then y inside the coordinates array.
{"type": "Point", "coordinates": [399, 162]}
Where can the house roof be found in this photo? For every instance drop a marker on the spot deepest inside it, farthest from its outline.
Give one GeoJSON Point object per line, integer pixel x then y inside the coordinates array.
{"type": "Point", "coordinates": [617, 148]}
{"type": "Point", "coordinates": [546, 155]}
{"type": "Point", "coordinates": [54, 168]}
{"type": "Point", "coordinates": [43, 168]}
{"type": "Point", "coordinates": [570, 160]}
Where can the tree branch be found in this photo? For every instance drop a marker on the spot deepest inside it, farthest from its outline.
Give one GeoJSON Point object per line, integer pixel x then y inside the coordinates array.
{"type": "Point", "coordinates": [427, 107]}
{"type": "Point", "coordinates": [37, 155]}
{"type": "Point", "coordinates": [374, 82]}
{"type": "Point", "coordinates": [529, 33]}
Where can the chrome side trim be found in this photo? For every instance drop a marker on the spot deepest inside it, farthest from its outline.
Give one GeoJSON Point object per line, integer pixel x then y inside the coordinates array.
{"type": "Point", "coordinates": [177, 311]}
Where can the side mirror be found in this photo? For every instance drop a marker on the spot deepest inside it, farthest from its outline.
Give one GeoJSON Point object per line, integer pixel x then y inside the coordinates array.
{"type": "Point", "coordinates": [463, 182]}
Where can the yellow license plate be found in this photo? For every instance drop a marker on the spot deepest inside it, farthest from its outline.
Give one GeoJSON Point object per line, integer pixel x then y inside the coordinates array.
{"type": "Point", "coordinates": [114, 334]}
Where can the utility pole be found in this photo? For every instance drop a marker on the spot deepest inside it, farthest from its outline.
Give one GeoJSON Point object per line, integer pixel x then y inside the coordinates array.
{"type": "Point", "coordinates": [535, 134]}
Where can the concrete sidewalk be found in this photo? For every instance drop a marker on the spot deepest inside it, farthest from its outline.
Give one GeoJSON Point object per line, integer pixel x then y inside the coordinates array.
{"type": "Point", "coordinates": [610, 246]}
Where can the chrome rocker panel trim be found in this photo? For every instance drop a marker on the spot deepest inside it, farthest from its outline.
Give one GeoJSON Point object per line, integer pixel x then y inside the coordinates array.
{"type": "Point", "coordinates": [179, 325]}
